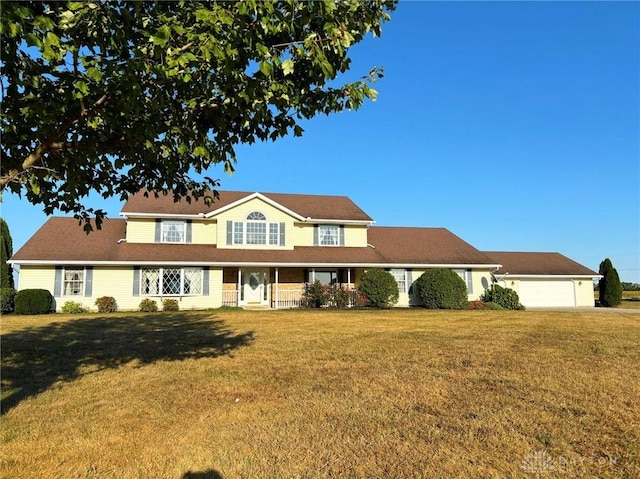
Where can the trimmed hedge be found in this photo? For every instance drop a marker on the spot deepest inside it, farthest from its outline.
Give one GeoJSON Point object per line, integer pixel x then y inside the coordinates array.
{"type": "Point", "coordinates": [441, 288]}
{"type": "Point", "coordinates": [379, 288]}
{"type": "Point", "coordinates": [33, 301]}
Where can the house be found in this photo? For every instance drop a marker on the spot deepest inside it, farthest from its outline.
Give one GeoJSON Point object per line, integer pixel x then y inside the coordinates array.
{"type": "Point", "coordinates": [245, 249]}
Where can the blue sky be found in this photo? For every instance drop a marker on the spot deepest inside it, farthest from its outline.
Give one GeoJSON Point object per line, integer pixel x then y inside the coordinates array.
{"type": "Point", "coordinates": [516, 125]}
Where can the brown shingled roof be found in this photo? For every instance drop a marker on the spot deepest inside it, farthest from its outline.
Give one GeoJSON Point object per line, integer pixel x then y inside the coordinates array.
{"type": "Point", "coordinates": [61, 240]}
{"type": "Point", "coordinates": [309, 206]}
{"type": "Point", "coordinates": [520, 263]}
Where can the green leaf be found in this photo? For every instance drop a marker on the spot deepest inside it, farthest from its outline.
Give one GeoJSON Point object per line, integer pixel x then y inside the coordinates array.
{"type": "Point", "coordinates": [161, 36]}
{"type": "Point", "coordinates": [287, 66]}
{"type": "Point", "coordinates": [34, 184]}
{"type": "Point", "coordinates": [266, 68]}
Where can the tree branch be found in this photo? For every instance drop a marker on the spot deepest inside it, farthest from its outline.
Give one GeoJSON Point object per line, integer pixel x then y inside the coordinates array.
{"type": "Point", "coordinates": [51, 144]}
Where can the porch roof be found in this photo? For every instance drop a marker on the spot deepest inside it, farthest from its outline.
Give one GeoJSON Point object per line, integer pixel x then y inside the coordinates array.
{"type": "Point", "coordinates": [62, 241]}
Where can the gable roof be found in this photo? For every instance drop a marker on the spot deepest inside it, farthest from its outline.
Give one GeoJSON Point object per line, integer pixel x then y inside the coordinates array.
{"type": "Point", "coordinates": [63, 241]}
{"type": "Point", "coordinates": [543, 264]}
{"type": "Point", "coordinates": [318, 207]}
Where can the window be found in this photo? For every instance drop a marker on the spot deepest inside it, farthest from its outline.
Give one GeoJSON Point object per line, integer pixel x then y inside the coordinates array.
{"type": "Point", "coordinates": [171, 281]}
{"type": "Point", "coordinates": [400, 275]}
{"type": "Point", "coordinates": [465, 274]}
{"type": "Point", "coordinates": [73, 282]}
{"type": "Point", "coordinates": [173, 231]}
{"type": "Point", "coordinates": [328, 235]}
{"type": "Point", "coordinates": [274, 233]}
{"type": "Point", "coordinates": [255, 231]}
{"type": "Point", "coordinates": [325, 277]}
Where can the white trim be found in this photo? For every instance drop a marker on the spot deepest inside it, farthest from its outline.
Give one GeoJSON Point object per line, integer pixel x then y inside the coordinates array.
{"type": "Point", "coordinates": [338, 222]}
{"type": "Point", "coordinates": [161, 216]}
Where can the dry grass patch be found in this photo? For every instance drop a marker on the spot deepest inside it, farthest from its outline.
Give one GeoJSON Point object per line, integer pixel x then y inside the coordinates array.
{"type": "Point", "coordinates": [401, 393]}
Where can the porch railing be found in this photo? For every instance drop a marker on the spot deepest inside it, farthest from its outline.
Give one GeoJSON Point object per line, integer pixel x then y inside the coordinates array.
{"type": "Point", "coordinates": [230, 297]}
{"type": "Point", "coordinates": [289, 298]}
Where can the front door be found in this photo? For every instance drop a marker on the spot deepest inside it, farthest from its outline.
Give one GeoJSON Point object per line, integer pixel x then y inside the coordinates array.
{"type": "Point", "coordinates": [256, 286]}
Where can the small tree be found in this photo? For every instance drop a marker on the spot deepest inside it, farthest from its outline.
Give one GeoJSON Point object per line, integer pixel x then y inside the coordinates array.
{"type": "Point", "coordinates": [609, 287]}
{"type": "Point", "coordinates": [379, 288]}
{"type": "Point", "coordinates": [6, 251]}
{"type": "Point", "coordinates": [441, 288]}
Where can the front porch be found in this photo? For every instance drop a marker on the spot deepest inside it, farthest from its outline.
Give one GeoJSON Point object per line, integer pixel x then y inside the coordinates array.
{"type": "Point", "coordinates": [279, 288]}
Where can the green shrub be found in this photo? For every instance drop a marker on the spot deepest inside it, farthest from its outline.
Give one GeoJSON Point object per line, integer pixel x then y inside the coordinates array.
{"type": "Point", "coordinates": [33, 301]}
{"type": "Point", "coordinates": [441, 288]}
{"type": "Point", "coordinates": [170, 305]}
{"type": "Point", "coordinates": [379, 288]}
{"type": "Point", "coordinates": [72, 307]}
{"type": "Point", "coordinates": [609, 286]}
{"type": "Point", "coordinates": [106, 304]}
{"type": "Point", "coordinates": [314, 295]}
{"type": "Point", "coordinates": [7, 297]}
{"type": "Point", "coordinates": [507, 298]}
{"type": "Point", "coordinates": [148, 306]}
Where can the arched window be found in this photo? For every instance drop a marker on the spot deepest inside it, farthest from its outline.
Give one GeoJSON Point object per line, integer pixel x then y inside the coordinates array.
{"type": "Point", "coordinates": [256, 215]}
{"type": "Point", "coordinates": [256, 228]}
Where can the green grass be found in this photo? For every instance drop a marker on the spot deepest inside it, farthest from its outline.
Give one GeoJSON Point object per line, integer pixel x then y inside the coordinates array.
{"type": "Point", "coordinates": [305, 394]}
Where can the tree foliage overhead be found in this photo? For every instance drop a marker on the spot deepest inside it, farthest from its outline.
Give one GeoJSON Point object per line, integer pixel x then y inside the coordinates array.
{"type": "Point", "coordinates": [119, 96]}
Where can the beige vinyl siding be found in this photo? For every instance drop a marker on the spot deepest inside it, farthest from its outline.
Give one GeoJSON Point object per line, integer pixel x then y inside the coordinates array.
{"type": "Point", "coordinates": [141, 230]}
{"type": "Point", "coordinates": [204, 232]}
{"type": "Point", "coordinates": [584, 292]}
{"type": "Point", "coordinates": [144, 231]}
{"type": "Point", "coordinates": [36, 277]}
{"type": "Point", "coordinates": [354, 236]}
{"type": "Point", "coordinates": [117, 281]}
{"type": "Point", "coordinates": [239, 214]}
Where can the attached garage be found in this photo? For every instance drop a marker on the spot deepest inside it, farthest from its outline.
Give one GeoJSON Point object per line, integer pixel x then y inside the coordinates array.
{"type": "Point", "coordinates": [547, 293]}
{"type": "Point", "coordinates": [545, 279]}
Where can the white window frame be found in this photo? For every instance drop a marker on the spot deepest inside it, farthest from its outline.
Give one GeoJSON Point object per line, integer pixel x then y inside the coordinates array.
{"type": "Point", "coordinates": [69, 281]}
{"type": "Point", "coordinates": [157, 275]}
{"type": "Point", "coordinates": [328, 235]}
{"type": "Point", "coordinates": [256, 230]}
{"type": "Point", "coordinates": [175, 228]}
{"type": "Point", "coordinates": [467, 277]}
{"type": "Point", "coordinates": [400, 275]}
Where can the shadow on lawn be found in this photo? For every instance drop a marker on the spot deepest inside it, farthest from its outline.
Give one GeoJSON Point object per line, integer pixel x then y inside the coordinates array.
{"type": "Point", "coordinates": [34, 359]}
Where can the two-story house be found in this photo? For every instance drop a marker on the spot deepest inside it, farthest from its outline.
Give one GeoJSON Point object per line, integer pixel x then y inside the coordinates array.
{"type": "Point", "coordinates": [245, 249]}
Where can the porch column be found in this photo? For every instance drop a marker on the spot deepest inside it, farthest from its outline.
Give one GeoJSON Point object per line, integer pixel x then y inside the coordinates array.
{"type": "Point", "coordinates": [349, 277]}
{"type": "Point", "coordinates": [239, 285]}
{"type": "Point", "coordinates": [313, 275]}
{"type": "Point", "coordinates": [277, 271]}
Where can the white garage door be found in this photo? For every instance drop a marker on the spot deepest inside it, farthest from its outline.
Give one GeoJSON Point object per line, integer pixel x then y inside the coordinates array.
{"type": "Point", "coordinates": [559, 292]}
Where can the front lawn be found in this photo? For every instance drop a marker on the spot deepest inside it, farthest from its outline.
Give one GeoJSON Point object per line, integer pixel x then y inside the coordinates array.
{"type": "Point", "coordinates": [314, 394]}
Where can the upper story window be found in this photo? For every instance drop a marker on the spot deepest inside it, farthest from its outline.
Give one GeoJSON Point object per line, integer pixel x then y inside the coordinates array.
{"type": "Point", "coordinates": [255, 230]}
{"type": "Point", "coordinates": [328, 235]}
{"type": "Point", "coordinates": [173, 232]}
